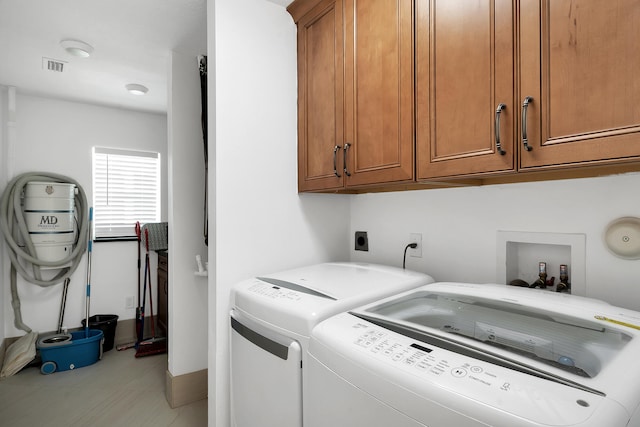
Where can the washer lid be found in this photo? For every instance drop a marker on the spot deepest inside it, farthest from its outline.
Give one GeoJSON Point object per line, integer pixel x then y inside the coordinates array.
{"type": "Point", "coordinates": [347, 280]}
{"type": "Point", "coordinates": [499, 322]}
{"type": "Point", "coordinates": [622, 237]}
{"type": "Point", "coordinates": [296, 300]}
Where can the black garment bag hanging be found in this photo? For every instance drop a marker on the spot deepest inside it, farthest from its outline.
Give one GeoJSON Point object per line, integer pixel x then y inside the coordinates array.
{"type": "Point", "coordinates": [202, 65]}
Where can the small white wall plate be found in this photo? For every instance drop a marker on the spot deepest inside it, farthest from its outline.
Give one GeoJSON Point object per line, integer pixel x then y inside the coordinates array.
{"type": "Point", "coordinates": [622, 237]}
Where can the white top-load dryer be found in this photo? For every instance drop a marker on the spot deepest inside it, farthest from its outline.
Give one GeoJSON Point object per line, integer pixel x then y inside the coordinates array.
{"type": "Point", "coordinates": [271, 320]}
{"type": "Point", "coordinates": [463, 355]}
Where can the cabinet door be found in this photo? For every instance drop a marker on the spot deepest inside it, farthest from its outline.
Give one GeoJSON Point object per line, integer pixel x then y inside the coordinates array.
{"type": "Point", "coordinates": [464, 71]}
{"type": "Point", "coordinates": [320, 95]}
{"type": "Point", "coordinates": [579, 64]}
{"type": "Point", "coordinates": [379, 91]}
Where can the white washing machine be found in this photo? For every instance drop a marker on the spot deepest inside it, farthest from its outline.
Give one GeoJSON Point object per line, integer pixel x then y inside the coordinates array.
{"type": "Point", "coordinates": [271, 320]}
{"type": "Point", "coordinates": [467, 355]}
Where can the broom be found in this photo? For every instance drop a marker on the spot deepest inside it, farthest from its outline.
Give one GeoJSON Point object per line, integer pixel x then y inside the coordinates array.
{"type": "Point", "coordinates": [153, 345]}
{"type": "Point", "coordinates": [139, 309]}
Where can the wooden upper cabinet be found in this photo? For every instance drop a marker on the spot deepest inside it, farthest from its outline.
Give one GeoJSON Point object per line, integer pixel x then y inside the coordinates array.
{"type": "Point", "coordinates": [464, 72]}
{"type": "Point", "coordinates": [398, 91]}
{"type": "Point", "coordinates": [579, 62]}
{"type": "Point", "coordinates": [378, 89]}
{"type": "Point", "coordinates": [320, 96]}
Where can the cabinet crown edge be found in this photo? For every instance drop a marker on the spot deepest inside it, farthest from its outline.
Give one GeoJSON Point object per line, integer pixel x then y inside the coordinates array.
{"type": "Point", "coordinates": [299, 8]}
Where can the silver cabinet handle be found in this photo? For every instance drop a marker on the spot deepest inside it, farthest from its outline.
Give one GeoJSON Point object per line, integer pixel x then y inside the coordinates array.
{"type": "Point", "coordinates": [346, 148]}
{"type": "Point", "coordinates": [525, 105]}
{"type": "Point", "coordinates": [335, 167]}
{"type": "Point", "coordinates": [498, 145]}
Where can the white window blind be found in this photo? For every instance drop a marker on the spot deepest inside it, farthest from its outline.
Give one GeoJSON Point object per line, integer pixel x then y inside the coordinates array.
{"type": "Point", "coordinates": [126, 189]}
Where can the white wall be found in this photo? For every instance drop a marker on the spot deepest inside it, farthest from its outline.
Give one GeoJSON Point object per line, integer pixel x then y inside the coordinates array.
{"type": "Point", "coordinates": [459, 228]}
{"type": "Point", "coordinates": [187, 293]}
{"type": "Point", "coordinates": [261, 223]}
{"type": "Point", "coordinates": [4, 262]}
{"type": "Point", "coordinates": [57, 136]}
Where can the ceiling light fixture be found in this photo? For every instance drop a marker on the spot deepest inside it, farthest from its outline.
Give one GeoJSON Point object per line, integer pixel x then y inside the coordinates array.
{"type": "Point", "coordinates": [77, 48]}
{"type": "Point", "coordinates": [135, 89]}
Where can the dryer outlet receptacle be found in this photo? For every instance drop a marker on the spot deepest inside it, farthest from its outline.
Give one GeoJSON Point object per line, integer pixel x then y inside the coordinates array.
{"type": "Point", "coordinates": [362, 241]}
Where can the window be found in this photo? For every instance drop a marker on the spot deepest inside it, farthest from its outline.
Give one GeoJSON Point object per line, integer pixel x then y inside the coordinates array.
{"type": "Point", "coordinates": [126, 189]}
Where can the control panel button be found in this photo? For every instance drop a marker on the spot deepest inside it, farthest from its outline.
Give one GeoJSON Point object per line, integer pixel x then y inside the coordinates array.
{"type": "Point", "coordinates": [459, 372]}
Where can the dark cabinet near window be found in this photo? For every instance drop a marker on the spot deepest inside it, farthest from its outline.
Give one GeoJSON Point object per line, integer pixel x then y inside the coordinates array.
{"type": "Point", "coordinates": [163, 293]}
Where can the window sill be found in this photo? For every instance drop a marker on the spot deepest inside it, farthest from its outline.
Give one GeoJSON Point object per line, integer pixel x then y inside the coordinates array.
{"type": "Point", "coordinates": [116, 239]}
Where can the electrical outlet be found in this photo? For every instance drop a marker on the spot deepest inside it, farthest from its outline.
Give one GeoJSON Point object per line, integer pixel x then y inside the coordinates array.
{"type": "Point", "coordinates": [129, 302]}
{"type": "Point", "coordinates": [362, 241]}
{"type": "Point", "coordinates": [415, 238]}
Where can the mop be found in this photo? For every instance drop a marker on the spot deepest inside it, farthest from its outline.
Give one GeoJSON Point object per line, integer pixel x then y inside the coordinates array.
{"type": "Point", "coordinates": [88, 297]}
{"type": "Point", "coordinates": [153, 345]}
{"type": "Point", "coordinates": [60, 337]}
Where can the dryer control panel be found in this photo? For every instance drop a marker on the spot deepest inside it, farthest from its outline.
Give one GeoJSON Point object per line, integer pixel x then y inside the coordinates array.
{"type": "Point", "coordinates": [275, 292]}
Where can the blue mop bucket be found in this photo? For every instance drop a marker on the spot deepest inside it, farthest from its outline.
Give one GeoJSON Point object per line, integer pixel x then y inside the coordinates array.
{"type": "Point", "coordinates": [77, 352]}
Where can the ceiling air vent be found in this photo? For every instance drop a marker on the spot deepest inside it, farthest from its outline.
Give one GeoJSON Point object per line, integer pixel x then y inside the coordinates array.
{"type": "Point", "coordinates": [53, 64]}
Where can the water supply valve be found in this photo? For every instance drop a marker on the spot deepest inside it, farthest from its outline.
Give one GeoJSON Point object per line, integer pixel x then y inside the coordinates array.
{"type": "Point", "coordinates": [564, 285]}
{"type": "Point", "coordinates": [541, 281]}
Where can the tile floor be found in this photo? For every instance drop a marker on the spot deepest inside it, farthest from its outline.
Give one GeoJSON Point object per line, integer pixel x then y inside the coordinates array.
{"type": "Point", "coordinates": [118, 390]}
